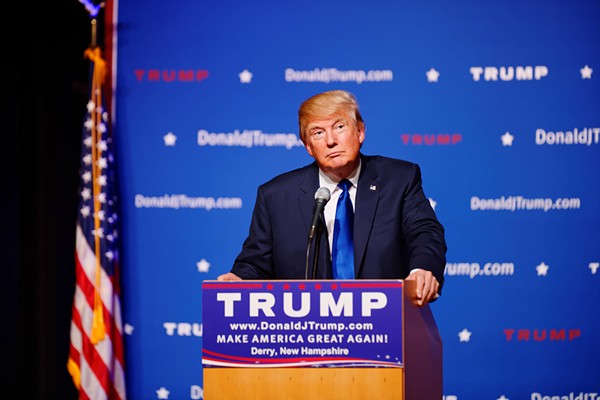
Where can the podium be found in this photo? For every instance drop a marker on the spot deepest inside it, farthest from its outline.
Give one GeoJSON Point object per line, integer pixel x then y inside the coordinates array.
{"type": "Point", "coordinates": [318, 339]}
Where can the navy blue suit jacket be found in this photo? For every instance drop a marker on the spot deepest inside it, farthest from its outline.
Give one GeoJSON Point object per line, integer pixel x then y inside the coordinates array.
{"type": "Point", "coordinates": [395, 227]}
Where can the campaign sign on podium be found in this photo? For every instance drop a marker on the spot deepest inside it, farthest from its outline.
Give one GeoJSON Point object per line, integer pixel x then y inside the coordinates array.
{"type": "Point", "coordinates": [316, 323]}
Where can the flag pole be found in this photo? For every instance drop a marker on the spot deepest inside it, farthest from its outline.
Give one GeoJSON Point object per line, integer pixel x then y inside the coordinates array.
{"type": "Point", "coordinates": [94, 54]}
{"type": "Point", "coordinates": [96, 360]}
{"type": "Point", "coordinates": [93, 10]}
{"type": "Point", "coordinates": [94, 25]}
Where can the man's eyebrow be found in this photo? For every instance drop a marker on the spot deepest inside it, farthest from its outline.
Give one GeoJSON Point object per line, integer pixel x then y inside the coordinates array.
{"type": "Point", "coordinates": [336, 121]}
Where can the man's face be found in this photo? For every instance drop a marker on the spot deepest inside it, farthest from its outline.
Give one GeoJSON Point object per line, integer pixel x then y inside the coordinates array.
{"type": "Point", "coordinates": [334, 142]}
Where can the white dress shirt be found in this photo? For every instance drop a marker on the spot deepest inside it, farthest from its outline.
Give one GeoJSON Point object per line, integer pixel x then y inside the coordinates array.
{"type": "Point", "coordinates": [330, 207]}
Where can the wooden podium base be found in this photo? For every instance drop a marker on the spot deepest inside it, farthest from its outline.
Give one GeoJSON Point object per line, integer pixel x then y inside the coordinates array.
{"type": "Point", "coordinates": [303, 383]}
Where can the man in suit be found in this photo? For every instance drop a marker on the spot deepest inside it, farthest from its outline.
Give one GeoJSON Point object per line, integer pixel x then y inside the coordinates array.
{"type": "Point", "coordinates": [396, 234]}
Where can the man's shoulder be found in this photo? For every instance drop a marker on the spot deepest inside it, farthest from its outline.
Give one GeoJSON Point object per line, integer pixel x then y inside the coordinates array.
{"type": "Point", "coordinates": [388, 162]}
{"type": "Point", "coordinates": [291, 177]}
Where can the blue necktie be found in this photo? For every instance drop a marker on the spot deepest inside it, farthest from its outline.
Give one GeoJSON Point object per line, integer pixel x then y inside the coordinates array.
{"type": "Point", "coordinates": [342, 256]}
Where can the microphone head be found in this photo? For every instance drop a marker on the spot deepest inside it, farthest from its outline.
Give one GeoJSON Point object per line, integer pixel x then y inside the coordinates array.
{"type": "Point", "coordinates": [322, 194]}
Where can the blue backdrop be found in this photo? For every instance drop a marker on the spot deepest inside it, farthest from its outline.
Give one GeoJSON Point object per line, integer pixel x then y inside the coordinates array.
{"type": "Point", "coordinates": [498, 102]}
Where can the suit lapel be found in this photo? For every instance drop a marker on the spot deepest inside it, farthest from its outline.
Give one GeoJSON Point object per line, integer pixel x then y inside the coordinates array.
{"type": "Point", "coordinates": [367, 197]}
{"type": "Point", "coordinates": [306, 194]}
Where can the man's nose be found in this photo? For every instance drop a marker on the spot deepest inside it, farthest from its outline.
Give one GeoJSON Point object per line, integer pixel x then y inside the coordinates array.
{"type": "Point", "coordinates": [330, 138]}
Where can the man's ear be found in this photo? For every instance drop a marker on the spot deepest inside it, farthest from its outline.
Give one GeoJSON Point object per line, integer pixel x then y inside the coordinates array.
{"type": "Point", "coordinates": [361, 132]}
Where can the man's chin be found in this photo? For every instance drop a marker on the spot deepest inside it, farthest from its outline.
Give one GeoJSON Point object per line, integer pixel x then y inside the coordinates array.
{"type": "Point", "coordinates": [339, 168]}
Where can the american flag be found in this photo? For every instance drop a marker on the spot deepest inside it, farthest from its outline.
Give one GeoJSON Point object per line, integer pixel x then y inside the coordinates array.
{"type": "Point", "coordinates": [96, 356]}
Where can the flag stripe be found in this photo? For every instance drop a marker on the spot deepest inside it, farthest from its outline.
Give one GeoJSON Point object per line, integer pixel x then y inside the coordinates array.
{"type": "Point", "coordinates": [99, 355]}
{"type": "Point", "coordinates": [87, 295]}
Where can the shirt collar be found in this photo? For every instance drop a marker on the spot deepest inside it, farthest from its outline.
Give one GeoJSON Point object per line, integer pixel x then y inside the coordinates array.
{"type": "Point", "coordinates": [324, 180]}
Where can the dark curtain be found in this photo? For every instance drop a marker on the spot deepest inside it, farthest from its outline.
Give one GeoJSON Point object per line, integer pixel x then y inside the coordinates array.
{"type": "Point", "coordinates": [47, 79]}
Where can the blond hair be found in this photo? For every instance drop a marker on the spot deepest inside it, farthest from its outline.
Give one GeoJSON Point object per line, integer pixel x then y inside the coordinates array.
{"type": "Point", "coordinates": [325, 104]}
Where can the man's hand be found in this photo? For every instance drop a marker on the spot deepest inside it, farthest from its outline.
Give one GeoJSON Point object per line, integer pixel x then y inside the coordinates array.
{"type": "Point", "coordinates": [229, 277]}
{"type": "Point", "coordinates": [427, 285]}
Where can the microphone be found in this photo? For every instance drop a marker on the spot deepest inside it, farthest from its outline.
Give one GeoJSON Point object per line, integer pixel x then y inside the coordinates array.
{"type": "Point", "coordinates": [322, 196]}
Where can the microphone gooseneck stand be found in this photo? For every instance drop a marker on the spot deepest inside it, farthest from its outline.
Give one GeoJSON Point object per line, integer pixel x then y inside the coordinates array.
{"type": "Point", "coordinates": [316, 253]}
{"type": "Point", "coordinates": [307, 258]}
{"type": "Point", "coordinates": [318, 232]}
{"type": "Point", "coordinates": [322, 196]}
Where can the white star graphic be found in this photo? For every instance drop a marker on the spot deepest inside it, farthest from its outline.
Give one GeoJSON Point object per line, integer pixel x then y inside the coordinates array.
{"type": "Point", "coordinates": [203, 265]}
{"type": "Point", "coordinates": [162, 393]}
{"type": "Point", "coordinates": [464, 335]}
{"type": "Point", "coordinates": [594, 267]}
{"type": "Point", "coordinates": [245, 76]}
{"type": "Point", "coordinates": [542, 269]}
{"type": "Point", "coordinates": [170, 139]}
{"type": "Point", "coordinates": [100, 214]}
{"type": "Point", "coordinates": [85, 211]}
{"type": "Point", "coordinates": [432, 75]}
{"type": "Point", "coordinates": [507, 139]}
{"type": "Point", "coordinates": [128, 329]}
{"type": "Point", "coordinates": [433, 203]}
{"type": "Point", "coordinates": [98, 232]}
{"type": "Point", "coordinates": [86, 194]}
{"type": "Point", "coordinates": [102, 163]}
{"type": "Point", "coordinates": [503, 397]}
{"type": "Point", "coordinates": [586, 72]}
{"type": "Point", "coordinates": [87, 176]}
